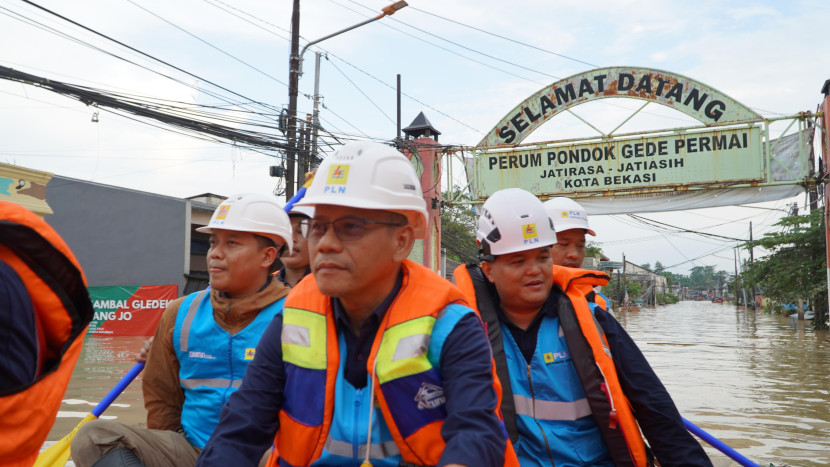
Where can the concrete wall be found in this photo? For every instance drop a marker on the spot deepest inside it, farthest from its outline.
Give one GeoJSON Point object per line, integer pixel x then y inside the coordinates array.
{"type": "Point", "coordinates": [120, 236]}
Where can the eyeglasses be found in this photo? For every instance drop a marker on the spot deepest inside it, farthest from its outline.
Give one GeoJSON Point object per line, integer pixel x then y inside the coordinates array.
{"type": "Point", "coordinates": [347, 229]}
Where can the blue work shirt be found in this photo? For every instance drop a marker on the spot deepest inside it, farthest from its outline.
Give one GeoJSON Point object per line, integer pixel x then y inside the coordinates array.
{"type": "Point", "coordinates": [249, 420]}
{"type": "Point", "coordinates": [654, 409]}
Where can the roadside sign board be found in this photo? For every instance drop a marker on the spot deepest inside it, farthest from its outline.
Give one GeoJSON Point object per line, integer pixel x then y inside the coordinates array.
{"type": "Point", "coordinates": [128, 310]}
{"type": "Point", "coordinates": [673, 161]}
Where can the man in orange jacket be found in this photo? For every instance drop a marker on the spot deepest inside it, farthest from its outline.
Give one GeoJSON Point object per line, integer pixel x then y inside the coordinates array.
{"type": "Point", "coordinates": [44, 313]}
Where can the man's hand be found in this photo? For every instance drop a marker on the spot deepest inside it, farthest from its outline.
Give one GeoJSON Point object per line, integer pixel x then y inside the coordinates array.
{"type": "Point", "coordinates": [141, 357]}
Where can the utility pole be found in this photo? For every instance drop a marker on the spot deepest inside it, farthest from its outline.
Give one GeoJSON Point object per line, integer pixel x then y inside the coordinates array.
{"type": "Point", "coordinates": [623, 279]}
{"type": "Point", "coordinates": [294, 72]}
{"type": "Point", "coordinates": [735, 254]}
{"type": "Point", "coordinates": [315, 119]}
{"type": "Point", "coordinates": [399, 108]}
{"type": "Point", "coordinates": [293, 83]}
{"type": "Point", "coordinates": [751, 257]}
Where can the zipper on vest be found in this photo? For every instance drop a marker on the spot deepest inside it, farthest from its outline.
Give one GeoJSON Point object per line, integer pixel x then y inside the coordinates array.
{"type": "Point", "coordinates": [357, 395]}
{"type": "Point", "coordinates": [227, 396]}
{"type": "Point", "coordinates": [533, 398]}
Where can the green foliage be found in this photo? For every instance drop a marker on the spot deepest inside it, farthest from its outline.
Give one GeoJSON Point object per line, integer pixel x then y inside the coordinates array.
{"type": "Point", "coordinates": [794, 267]}
{"type": "Point", "coordinates": [593, 249]}
{"type": "Point", "coordinates": [458, 223]}
{"type": "Point", "coordinates": [667, 298]}
{"type": "Point", "coordinates": [614, 290]}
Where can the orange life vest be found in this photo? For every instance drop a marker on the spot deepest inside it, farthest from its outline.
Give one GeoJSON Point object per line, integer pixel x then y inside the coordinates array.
{"type": "Point", "coordinates": [423, 294]}
{"type": "Point", "coordinates": [57, 288]}
{"type": "Point", "coordinates": [609, 405]}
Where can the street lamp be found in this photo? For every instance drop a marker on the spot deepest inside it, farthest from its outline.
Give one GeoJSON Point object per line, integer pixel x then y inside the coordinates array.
{"type": "Point", "coordinates": [294, 72]}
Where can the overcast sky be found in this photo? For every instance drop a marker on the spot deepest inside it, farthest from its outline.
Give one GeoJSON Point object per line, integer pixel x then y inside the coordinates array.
{"type": "Point", "coordinates": [763, 54]}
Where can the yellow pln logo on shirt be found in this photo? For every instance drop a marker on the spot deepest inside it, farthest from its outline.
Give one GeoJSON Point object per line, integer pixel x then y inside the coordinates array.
{"type": "Point", "coordinates": [249, 354]}
{"type": "Point", "coordinates": [548, 357]}
{"type": "Point", "coordinates": [529, 231]}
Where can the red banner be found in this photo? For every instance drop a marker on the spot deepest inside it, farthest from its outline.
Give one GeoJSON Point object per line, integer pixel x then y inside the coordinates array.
{"type": "Point", "coordinates": [129, 310]}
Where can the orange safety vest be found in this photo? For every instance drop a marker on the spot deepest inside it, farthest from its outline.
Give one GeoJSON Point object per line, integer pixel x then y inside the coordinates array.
{"type": "Point", "coordinates": [609, 405]}
{"type": "Point", "coordinates": [57, 288]}
{"type": "Point", "coordinates": [422, 294]}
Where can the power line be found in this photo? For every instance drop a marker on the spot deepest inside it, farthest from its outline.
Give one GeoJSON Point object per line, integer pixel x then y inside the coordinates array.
{"type": "Point", "coordinates": [405, 94]}
{"type": "Point", "coordinates": [364, 94]}
{"type": "Point", "coordinates": [449, 50]}
{"type": "Point", "coordinates": [503, 37]}
{"type": "Point", "coordinates": [208, 43]}
{"type": "Point", "coordinates": [142, 53]}
{"type": "Point", "coordinates": [248, 21]}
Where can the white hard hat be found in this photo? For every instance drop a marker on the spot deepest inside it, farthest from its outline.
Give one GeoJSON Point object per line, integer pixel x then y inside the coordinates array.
{"type": "Point", "coordinates": [567, 214]}
{"type": "Point", "coordinates": [370, 175]}
{"type": "Point", "coordinates": [254, 213]}
{"type": "Point", "coordinates": [307, 211]}
{"type": "Point", "coordinates": [513, 220]}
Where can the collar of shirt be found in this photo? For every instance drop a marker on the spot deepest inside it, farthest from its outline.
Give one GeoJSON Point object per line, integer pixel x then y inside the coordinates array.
{"type": "Point", "coordinates": [358, 347]}
{"type": "Point", "coordinates": [281, 275]}
{"type": "Point", "coordinates": [526, 338]}
{"type": "Point", "coordinates": [372, 321]}
{"type": "Point", "coordinates": [267, 282]}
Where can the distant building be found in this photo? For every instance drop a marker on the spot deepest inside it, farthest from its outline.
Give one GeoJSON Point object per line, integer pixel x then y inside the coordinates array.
{"type": "Point", "coordinates": [646, 277]}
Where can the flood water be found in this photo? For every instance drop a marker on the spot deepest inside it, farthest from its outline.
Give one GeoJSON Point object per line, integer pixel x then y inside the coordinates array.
{"type": "Point", "coordinates": [757, 382]}
{"type": "Point", "coordinates": [760, 383]}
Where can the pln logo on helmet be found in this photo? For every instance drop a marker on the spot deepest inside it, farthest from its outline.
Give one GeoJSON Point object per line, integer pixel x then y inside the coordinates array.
{"type": "Point", "coordinates": [337, 178]}
{"type": "Point", "coordinates": [529, 234]}
{"type": "Point", "coordinates": [574, 215]}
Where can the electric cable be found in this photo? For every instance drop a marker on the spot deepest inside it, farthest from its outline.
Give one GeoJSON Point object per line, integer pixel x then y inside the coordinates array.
{"type": "Point", "coordinates": [449, 50]}
{"type": "Point", "coordinates": [207, 43]}
{"type": "Point", "coordinates": [29, 2]}
{"type": "Point", "coordinates": [501, 37]}
{"type": "Point", "coordinates": [363, 93]}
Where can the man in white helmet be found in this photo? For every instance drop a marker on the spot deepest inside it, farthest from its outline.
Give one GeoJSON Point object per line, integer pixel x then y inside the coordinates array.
{"type": "Point", "coordinates": [570, 221]}
{"type": "Point", "coordinates": [295, 264]}
{"type": "Point", "coordinates": [203, 342]}
{"type": "Point", "coordinates": [577, 390]}
{"type": "Point", "coordinates": [375, 361]}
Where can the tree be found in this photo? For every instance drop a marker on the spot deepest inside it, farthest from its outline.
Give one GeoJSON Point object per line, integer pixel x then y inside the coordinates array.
{"type": "Point", "coordinates": [702, 277]}
{"type": "Point", "coordinates": [593, 250]}
{"type": "Point", "coordinates": [458, 224]}
{"type": "Point", "coordinates": [658, 267]}
{"type": "Point", "coordinates": [794, 268]}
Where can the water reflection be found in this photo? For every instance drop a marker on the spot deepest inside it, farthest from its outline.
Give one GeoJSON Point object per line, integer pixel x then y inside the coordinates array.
{"type": "Point", "coordinates": [102, 363]}
{"type": "Point", "coordinates": [757, 382]}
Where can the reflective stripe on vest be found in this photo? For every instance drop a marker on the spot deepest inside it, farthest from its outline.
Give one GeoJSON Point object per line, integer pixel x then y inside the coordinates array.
{"type": "Point", "coordinates": [211, 383]}
{"type": "Point", "coordinates": [551, 410]}
{"type": "Point", "coordinates": [403, 349]}
{"type": "Point", "coordinates": [376, 451]}
{"type": "Point", "coordinates": [188, 319]}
